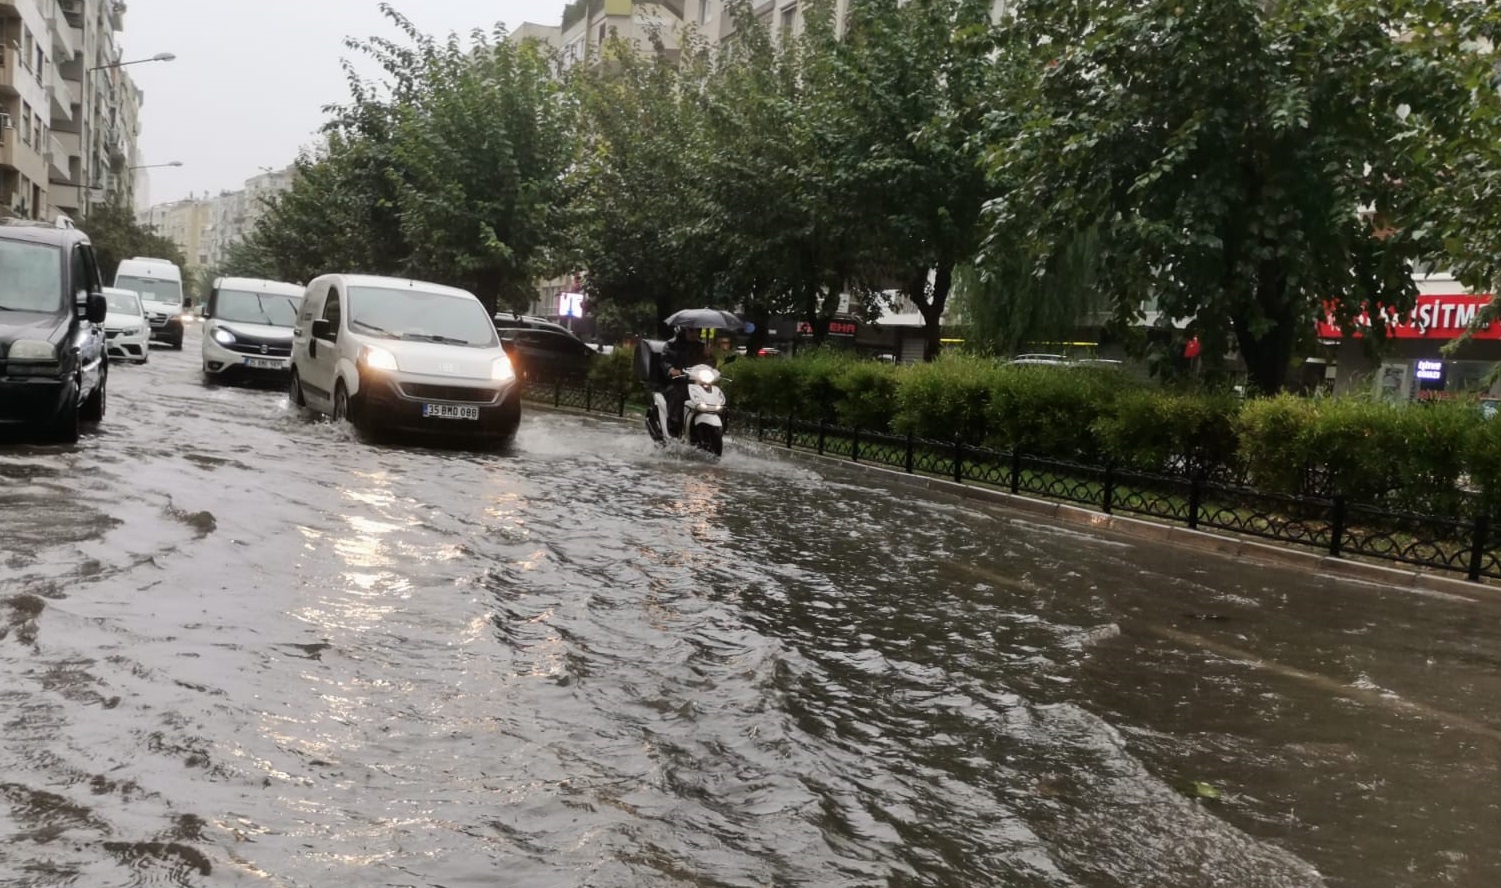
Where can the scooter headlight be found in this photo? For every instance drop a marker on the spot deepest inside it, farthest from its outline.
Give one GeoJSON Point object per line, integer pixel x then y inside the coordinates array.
{"type": "Point", "coordinates": [705, 376]}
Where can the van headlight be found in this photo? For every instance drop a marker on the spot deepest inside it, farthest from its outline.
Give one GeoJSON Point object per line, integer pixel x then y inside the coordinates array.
{"type": "Point", "coordinates": [224, 337]}
{"type": "Point", "coordinates": [502, 371]}
{"type": "Point", "coordinates": [377, 358]}
{"type": "Point", "coordinates": [32, 350]}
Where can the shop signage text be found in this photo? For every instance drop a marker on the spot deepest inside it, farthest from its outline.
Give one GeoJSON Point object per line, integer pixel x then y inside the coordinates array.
{"type": "Point", "coordinates": [1434, 317]}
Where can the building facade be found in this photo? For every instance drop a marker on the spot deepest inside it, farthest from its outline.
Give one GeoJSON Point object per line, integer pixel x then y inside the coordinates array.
{"type": "Point", "coordinates": [69, 113]}
{"type": "Point", "coordinates": [205, 228]}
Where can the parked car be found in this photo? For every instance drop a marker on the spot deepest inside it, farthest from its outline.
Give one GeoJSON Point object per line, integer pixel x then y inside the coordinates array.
{"type": "Point", "coordinates": [126, 330]}
{"type": "Point", "coordinates": [544, 350]}
{"type": "Point", "coordinates": [399, 355]}
{"type": "Point", "coordinates": [53, 366]}
{"type": "Point", "coordinates": [247, 328]}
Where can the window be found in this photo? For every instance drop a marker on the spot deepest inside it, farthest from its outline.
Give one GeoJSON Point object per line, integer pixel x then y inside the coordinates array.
{"type": "Point", "coordinates": [41, 59]}
{"type": "Point", "coordinates": [78, 273]}
{"type": "Point", "coordinates": [789, 21]}
{"type": "Point", "coordinates": [26, 123]}
{"type": "Point", "coordinates": [33, 277]}
{"type": "Point", "coordinates": [332, 312]}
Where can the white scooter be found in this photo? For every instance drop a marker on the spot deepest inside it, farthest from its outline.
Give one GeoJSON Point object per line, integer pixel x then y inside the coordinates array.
{"type": "Point", "coordinates": [702, 422]}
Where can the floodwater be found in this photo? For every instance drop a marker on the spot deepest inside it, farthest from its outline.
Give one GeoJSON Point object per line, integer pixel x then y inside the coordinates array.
{"type": "Point", "coordinates": [239, 646]}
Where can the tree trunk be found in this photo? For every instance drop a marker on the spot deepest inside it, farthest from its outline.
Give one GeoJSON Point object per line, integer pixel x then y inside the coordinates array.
{"type": "Point", "coordinates": [932, 308]}
{"type": "Point", "coordinates": [1267, 358]}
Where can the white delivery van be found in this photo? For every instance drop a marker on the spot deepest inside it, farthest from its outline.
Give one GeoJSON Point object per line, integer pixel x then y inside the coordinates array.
{"type": "Point", "coordinates": [406, 356]}
{"type": "Point", "coordinates": [247, 327]}
{"type": "Point", "coordinates": [159, 284]}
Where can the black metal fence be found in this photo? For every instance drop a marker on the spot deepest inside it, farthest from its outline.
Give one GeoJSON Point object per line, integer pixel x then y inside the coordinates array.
{"type": "Point", "coordinates": [1332, 524]}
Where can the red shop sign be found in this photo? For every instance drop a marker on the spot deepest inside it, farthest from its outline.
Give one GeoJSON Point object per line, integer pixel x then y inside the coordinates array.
{"type": "Point", "coordinates": [1434, 317]}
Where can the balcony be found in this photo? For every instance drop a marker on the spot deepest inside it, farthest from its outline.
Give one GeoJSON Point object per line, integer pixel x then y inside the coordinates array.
{"type": "Point", "coordinates": [116, 12]}
{"type": "Point", "coordinates": [62, 100]}
{"type": "Point", "coordinates": [73, 12]}
{"type": "Point", "coordinates": [57, 159]}
{"type": "Point", "coordinates": [10, 70]}
{"type": "Point", "coordinates": [17, 155]}
{"type": "Point", "coordinates": [64, 41]}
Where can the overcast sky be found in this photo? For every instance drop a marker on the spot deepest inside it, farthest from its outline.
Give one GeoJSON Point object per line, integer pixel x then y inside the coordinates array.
{"type": "Point", "coordinates": [252, 76]}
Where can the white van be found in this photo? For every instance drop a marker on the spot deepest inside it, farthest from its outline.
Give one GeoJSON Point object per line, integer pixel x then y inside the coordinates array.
{"type": "Point", "coordinates": [247, 327]}
{"type": "Point", "coordinates": [399, 355]}
{"type": "Point", "coordinates": [159, 284]}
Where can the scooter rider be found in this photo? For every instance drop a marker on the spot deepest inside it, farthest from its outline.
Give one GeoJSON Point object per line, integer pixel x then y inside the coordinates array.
{"type": "Point", "coordinates": [681, 352]}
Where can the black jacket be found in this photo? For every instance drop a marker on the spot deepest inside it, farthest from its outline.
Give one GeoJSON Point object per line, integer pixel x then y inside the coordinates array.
{"type": "Point", "coordinates": [683, 353]}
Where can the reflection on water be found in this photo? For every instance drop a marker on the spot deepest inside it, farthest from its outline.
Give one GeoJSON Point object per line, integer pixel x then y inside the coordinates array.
{"type": "Point", "coordinates": [588, 662]}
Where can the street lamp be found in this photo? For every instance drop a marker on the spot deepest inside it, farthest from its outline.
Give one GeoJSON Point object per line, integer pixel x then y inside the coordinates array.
{"type": "Point", "coordinates": [152, 166]}
{"type": "Point", "coordinates": [84, 135]}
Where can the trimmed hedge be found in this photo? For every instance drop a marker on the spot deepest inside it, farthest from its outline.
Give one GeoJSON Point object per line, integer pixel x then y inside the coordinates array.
{"type": "Point", "coordinates": [1438, 458]}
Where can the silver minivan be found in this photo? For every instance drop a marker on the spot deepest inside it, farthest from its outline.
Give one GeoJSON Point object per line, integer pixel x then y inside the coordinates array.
{"type": "Point", "coordinates": [399, 355]}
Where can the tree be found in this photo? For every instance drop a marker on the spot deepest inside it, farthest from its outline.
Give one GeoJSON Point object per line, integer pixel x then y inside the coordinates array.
{"type": "Point", "coordinates": [637, 206]}
{"type": "Point", "coordinates": [1246, 163]}
{"type": "Point", "coordinates": [481, 139]}
{"type": "Point", "coordinates": [116, 235]}
{"type": "Point", "coordinates": [916, 75]}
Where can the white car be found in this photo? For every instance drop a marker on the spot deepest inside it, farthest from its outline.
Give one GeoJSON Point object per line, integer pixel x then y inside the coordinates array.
{"type": "Point", "coordinates": [127, 332]}
{"type": "Point", "coordinates": [247, 328]}
{"type": "Point", "coordinates": [399, 355]}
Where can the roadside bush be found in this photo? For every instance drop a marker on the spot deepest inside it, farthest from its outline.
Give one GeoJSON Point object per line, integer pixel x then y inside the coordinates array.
{"type": "Point", "coordinates": [947, 399]}
{"type": "Point", "coordinates": [1433, 440]}
{"type": "Point", "coordinates": [615, 372]}
{"type": "Point", "coordinates": [868, 395]}
{"type": "Point", "coordinates": [1051, 411]}
{"type": "Point", "coordinates": [764, 385]}
{"type": "Point", "coordinates": [1274, 435]}
{"type": "Point", "coordinates": [1170, 433]}
{"type": "Point", "coordinates": [1483, 462]}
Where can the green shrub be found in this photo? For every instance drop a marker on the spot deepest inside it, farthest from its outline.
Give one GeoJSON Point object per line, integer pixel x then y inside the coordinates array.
{"type": "Point", "coordinates": [615, 372]}
{"type": "Point", "coordinates": [867, 395]}
{"type": "Point", "coordinates": [1483, 462]}
{"type": "Point", "coordinates": [1164, 432]}
{"type": "Point", "coordinates": [1051, 411]}
{"type": "Point", "coordinates": [763, 385]}
{"type": "Point", "coordinates": [947, 399]}
{"type": "Point", "coordinates": [1274, 435]}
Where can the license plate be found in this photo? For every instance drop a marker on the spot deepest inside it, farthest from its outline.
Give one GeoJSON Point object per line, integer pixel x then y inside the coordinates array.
{"type": "Point", "coordinates": [264, 363]}
{"type": "Point", "coordinates": [450, 411]}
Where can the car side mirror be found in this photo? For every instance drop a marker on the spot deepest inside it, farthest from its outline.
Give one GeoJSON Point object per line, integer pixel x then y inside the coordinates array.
{"type": "Point", "coordinates": [96, 308]}
{"type": "Point", "coordinates": [322, 329]}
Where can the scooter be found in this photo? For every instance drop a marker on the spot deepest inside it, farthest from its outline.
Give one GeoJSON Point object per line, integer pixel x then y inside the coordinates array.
{"type": "Point", "coordinates": [702, 422]}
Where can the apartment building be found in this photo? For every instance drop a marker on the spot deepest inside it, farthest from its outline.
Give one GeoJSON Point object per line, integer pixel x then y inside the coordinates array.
{"type": "Point", "coordinates": [69, 115]}
{"type": "Point", "coordinates": [205, 228]}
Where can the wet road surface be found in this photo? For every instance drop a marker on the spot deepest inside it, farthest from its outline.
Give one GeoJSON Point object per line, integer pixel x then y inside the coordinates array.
{"type": "Point", "coordinates": [240, 647]}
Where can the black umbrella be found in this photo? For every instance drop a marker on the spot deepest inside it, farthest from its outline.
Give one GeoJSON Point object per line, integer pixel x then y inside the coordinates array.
{"type": "Point", "coordinates": [704, 318]}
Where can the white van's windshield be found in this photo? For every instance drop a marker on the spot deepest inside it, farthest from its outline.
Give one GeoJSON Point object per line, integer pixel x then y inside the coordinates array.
{"type": "Point", "coordinates": [152, 289]}
{"type": "Point", "coordinates": [420, 315]}
{"type": "Point", "coordinates": [32, 276]}
{"type": "Point", "coordinates": [271, 309]}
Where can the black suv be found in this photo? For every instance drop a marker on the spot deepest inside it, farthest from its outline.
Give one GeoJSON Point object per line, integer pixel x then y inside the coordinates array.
{"type": "Point", "coordinates": [542, 350]}
{"type": "Point", "coordinates": [53, 365]}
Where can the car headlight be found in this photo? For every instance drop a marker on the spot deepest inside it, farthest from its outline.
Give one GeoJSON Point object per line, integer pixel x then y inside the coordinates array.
{"type": "Point", "coordinates": [502, 371]}
{"type": "Point", "coordinates": [133, 331]}
{"type": "Point", "coordinates": [224, 337]}
{"type": "Point", "coordinates": [377, 358]}
{"type": "Point", "coordinates": [32, 350]}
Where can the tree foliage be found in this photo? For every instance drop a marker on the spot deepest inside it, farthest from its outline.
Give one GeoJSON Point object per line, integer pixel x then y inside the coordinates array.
{"type": "Point", "coordinates": [1244, 162]}
{"type": "Point", "coordinates": [116, 235]}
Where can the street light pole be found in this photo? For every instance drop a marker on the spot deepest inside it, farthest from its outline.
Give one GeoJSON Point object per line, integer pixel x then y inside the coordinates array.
{"type": "Point", "coordinates": [85, 135]}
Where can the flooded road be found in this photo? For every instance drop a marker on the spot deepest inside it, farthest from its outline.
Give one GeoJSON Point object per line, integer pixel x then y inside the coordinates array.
{"type": "Point", "coordinates": [240, 647]}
